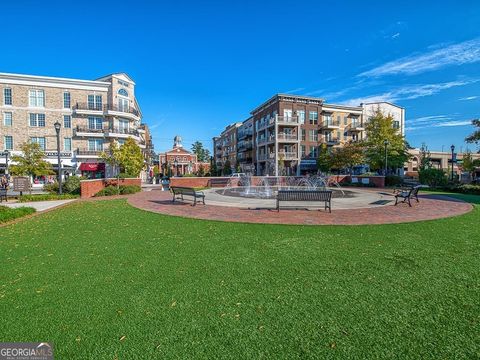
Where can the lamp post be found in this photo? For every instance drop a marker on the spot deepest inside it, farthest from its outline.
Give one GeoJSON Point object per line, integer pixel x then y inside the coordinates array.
{"type": "Point", "coordinates": [453, 154]}
{"type": "Point", "coordinates": [386, 156]}
{"type": "Point", "coordinates": [59, 163]}
{"type": "Point", "coordinates": [175, 163]}
{"type": "Point", "coordinates": [6, 161]}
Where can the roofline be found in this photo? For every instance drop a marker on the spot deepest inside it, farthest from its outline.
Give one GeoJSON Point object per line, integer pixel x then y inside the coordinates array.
{"type": "Point", "coordinates": [277, 96]}
{"type": "Point", "coordinates": [116, 75]}
{"type": "Point", "coordinates": [344, 107]}
{"type": "Point", "coordinates": [384, 102]}
{"type": "Point", "coordinates": [51, 79]}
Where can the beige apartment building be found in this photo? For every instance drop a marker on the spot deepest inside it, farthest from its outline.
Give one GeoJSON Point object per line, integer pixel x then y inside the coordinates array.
{"type": "Point", "coordinates": [287, 131]}
{"type": "Point", "coordinates": [92, 115]}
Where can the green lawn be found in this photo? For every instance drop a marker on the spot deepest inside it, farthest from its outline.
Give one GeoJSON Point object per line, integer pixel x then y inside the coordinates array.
{"type": "Point", "coordinates": [103, 280]}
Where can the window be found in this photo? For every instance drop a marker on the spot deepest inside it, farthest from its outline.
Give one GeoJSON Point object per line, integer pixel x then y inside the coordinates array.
{"type": "Point", "coordinates": [304, 150]}
{"type": "Point", "coordinates": [328, 136]}
{"type": "Point", "coordinates": [287, 113]}
{"type": "Point", "coordinates": [66, 100]}
{"type": "Point", "coordinates": [301, 116]}
{"type": "Point", "coordinates": [303, 135]}
{"type": "Point", "coordinates": [339, 120]}
{"type": "Point", "coordinates": [95, 144]}
{"type": "Point", "coordinates": [312, 135]}
{"type": "Point", "coordinates": [67, 121]}
{"type": "Point", "coordinates": [95, 102]}
{"type": "Point", "coordinates": [40, 141]}
{"type": "Point", "coordinates": [327, 119]}
{"type": "Point", "coordinates": [313, 151]}
{"type": "Point", "coordinates": [8, 142]}
{"type": "Point", "coordinates": [7, 119]}
{"type": "Point", "coordinates": [36, 98]}
{"type": "Point", "coordinates": [396, 124]}
{"type": "Point", "coordinates": [37, 120]}
{"type": "Point", "coordinates": [67, 144]}
{"type": "Point", "coordinates": [345, 120]}
{"type": "Point", "coordinates": [7, 96]}
{"type": "Point", "coordinates": [123, 126]}
{"type": "Point", "coordinates": [123, 92]}
{"type": "Point", "coordinates": [94, 123]}
{"type": "Point", "coordinates": [123, 105]}
{"type": "Point", "coordinates": [313, 117]}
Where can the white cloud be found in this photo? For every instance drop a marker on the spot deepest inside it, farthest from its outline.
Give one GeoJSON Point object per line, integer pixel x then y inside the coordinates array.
{"type": "Point", "coordinates": [469, 98]}
{"type": "Point", "coordinates": [396, 35]}
{"type": "Point", "coordinates": [409, 92]}
{"type": "Point", "coordinates": [435, 121]}
{"type": "Point", "coordinates": [463, 53]}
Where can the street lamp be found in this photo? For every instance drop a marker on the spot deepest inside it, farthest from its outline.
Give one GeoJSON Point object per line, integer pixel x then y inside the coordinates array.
{"type": "Point", "coordinates": [386, 156]}
{"type": "Point", "coordinates": [453, 154]}
{"type": "Point", "coordinates": [59, 164]}
{"type": "Point", "coordinates": [6, 161]}
{"type": "Point", "coordinates": [175, 163]}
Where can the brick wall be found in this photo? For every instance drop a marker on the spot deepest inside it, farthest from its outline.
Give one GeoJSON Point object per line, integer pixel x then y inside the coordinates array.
{"type": "Point", "coordinates": [88, 188]}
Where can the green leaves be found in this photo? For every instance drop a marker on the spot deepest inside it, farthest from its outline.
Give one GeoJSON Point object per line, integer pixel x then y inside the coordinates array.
{"type": "Point", "coordinates": [31, 162]}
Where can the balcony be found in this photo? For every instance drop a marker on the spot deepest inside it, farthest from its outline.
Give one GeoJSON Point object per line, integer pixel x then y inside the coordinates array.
{"type": "Point", "coordinates": [287, 120]}
{"type": "Point", "coordinates": [287, 137]}
{"type": "Point", "coordinates": [245, 145]}
{"type": "Point", "coordinates": [106, 131]}
{"type": "Point", "coordinates": [88, 153]}
{"type": "Point", "coordinates": [264, 157]}
{"type": "Point", "coordinates": [332, 141]}
{"type": "Point", "coordinates": [86, 131]}
{"type": "Point", "coordinates": [242, 134]}
{"type": "Point", "coordinates": [356, 127]}
{"type": "Point", "coordinates": [330, 125]}
{"type": "Point", "coordinates": [262, 141]}
{"type": "Point", "coordinates": [287, 155]}
{"type": "Point", "coordinates": [106, 109]}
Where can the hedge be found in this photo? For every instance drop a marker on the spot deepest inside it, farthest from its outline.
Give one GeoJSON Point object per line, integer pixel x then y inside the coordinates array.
{"type": "Point", "coordinates": [46, 197]}
{"type": "Point", "coordinates": [121, 190]}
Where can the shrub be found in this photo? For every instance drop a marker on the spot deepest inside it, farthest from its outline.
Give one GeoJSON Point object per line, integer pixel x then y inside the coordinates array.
{"type": "Point", "coordinates": [7, 214]}
{"type": "Point", "coordinates": [121, 190]}
{"type": "Point", "coordinates": [432, 177]}
{"type": "Point", "coordinates": [51, 188]}
{"type": "Point", "coordinates": [46, 197]}
{"type": "Point", "coordinates": [72, 184]}
{"type": "Point", "coordinates": [393, 180]}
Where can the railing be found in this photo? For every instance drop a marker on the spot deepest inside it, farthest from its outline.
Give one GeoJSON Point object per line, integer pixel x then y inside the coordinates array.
{"type": "Point", "coordinates": [287, 155]}
{"type": "Point", "coordinates": [106, 130]}
{"type": "Point", "coordinates": [287, 119]}
{"type": "Point", "coordinates": [245, 133]}
{"type": "Point", "coordinates": [86, 129]}
{"type": "Point", "coordinates": [245, 145]}
{"type": "Point", "coordinates": [332, 141]}
{"type": "Point", "coordinates": [106, 107]}
{"type": "Point", "coordinates": [287, 137]}
{"type": "Point", "coordinates": [330, 124]}
{"type": "Point", "coordinates": [89, 152]}
{"type": "Point", "coordinates": [262, 140]}
{"type": "Point", "coordinates": [356, 126]}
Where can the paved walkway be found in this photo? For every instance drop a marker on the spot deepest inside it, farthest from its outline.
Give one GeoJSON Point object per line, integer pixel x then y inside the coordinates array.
{"type": "Point", "coordinates": [430, 207]}
{"type": "Point", "coordinates": [38, 205]}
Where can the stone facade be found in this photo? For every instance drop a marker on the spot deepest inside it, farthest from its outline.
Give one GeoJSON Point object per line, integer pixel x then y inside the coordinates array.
{"type": "Point", "coordinates": [92, 115]}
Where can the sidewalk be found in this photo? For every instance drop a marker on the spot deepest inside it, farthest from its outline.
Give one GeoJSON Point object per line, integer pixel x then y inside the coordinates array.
{"type": "Point", "coordinates": [38, 205]}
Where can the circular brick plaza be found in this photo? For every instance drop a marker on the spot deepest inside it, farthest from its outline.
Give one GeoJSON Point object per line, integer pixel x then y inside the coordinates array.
{"type": "Point", "coordinates": [430, 207]}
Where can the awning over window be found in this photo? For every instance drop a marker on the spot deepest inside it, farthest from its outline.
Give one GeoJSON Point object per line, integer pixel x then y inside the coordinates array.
{"type": "Point", "coordinates": [92, 167]}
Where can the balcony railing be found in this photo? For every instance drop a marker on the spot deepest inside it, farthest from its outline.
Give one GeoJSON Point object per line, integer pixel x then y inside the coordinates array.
{"type": "Point", "coordinates": [330, 124]}
{"type": "Point", "coordinates": [242, 134]}
{"type": "Point", "coordinates": [332, 141]}
{"type": "Point", "coordinates": [287, 137]}
{"type": "Point", "coordinates": [287, 155]}
{"type": "Point", "coordinates": [357, 127]}
{"type": "Point", "coordinates": [87, 152]}
{"type": "Point", "coordinates": [287, 119]}
{"type": "Point", "coordinates": [106, 130]}
{"type": "Point", "coordinates": [106, 107]}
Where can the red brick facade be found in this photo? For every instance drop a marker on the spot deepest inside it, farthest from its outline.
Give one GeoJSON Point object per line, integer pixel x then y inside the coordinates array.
{"type": "Point", "coordinates": [88, 188]}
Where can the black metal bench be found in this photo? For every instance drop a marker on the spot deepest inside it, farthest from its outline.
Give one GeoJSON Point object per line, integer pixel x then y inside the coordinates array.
{"type": "Point", "coordinates": [218, 182]}
{"type": "Point", "coordinates": [407, 194]}
{"type": "Point", "coordinates": [305, 195]}
{"type": "Point", "coordinates": [3, 194]}
{"type": "Point", "coordinates": [179, 191]}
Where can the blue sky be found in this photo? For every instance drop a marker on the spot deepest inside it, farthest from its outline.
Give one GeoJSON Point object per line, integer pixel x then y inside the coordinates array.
{"type": "Point", "coordinates": [201, 65]}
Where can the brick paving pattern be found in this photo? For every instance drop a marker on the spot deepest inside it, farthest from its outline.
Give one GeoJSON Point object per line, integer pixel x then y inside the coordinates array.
{"type": "Point", "coordinates": [430, 207]}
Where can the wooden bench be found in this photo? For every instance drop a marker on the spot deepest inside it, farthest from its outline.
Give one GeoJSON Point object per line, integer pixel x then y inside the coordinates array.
{"type": "Point", "coordinates": [218, 182]}
{"type": "Point", "coordinates": [407, 194]}
{"type": "Point", "coordinates": [179, 191]}
{"type": "Point", "coordinates": [3, 194]}
{"type": "Point", "coordinates": [305, 196]}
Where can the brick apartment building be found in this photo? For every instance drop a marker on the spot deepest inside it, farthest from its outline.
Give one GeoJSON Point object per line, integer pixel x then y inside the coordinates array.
{"type": "Point", "coordinates": [92, 115]}
{"type": "Point", "coordinates": [284, 133]}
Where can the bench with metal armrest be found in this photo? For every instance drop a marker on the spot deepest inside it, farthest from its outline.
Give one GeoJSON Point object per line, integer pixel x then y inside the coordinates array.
{"type": "Point", "coordinates": [180, 192]}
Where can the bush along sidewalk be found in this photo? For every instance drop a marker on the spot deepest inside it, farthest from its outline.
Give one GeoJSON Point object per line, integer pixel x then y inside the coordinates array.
{"type": "Point", "coordinates": [46, 197]}
{"type": "Point", "coordinates": [7, 214]}
{"type": "Point", "coordinates": [120, 190]}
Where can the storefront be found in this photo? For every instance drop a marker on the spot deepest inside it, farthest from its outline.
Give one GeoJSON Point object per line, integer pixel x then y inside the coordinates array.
{"type": "Point", "coordinates": [92, 170]}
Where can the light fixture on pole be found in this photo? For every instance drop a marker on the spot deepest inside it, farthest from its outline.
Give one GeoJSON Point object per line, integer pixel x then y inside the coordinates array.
{"type": "Point", "coordinates": [6, 161]}
{"type": "Point", "coordinates": [59, 163]}
{"type": "Point", "coordinates": [453, 155]}
{"type": "Point", "coordinates": [386, 156]}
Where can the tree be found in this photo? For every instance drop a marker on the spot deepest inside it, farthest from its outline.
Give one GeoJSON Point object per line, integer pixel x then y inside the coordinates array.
{"type": "Point", "coordinates": [378, 129]}
{"type": "Point", "coordinates": [31, 162]}
{"type": "Point", "coordinates": [203, 155]}
{"type": "Point", "coordinates": [468, 164]}
{"type": "Point", "coordinates": [227, 168]}
{"type": "Point", "coordinates": [475, 136]}
{"type": "Point", "coordinates": [213, 167]}
{"type": "Point", "coordinates": [128, 157]}
{"type": "Point", "coordinates": [201, 170]}
{"type": "Point", "coordinates": [424, 158]}
{"type": "Point", "coordinates": [348, 156]}
{"type": "Point", "coordinates": [324, 160]}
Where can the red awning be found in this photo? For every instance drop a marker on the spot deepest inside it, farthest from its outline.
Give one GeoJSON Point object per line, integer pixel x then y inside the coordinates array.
{"type": "Point", "coordinates": [92, 167]}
